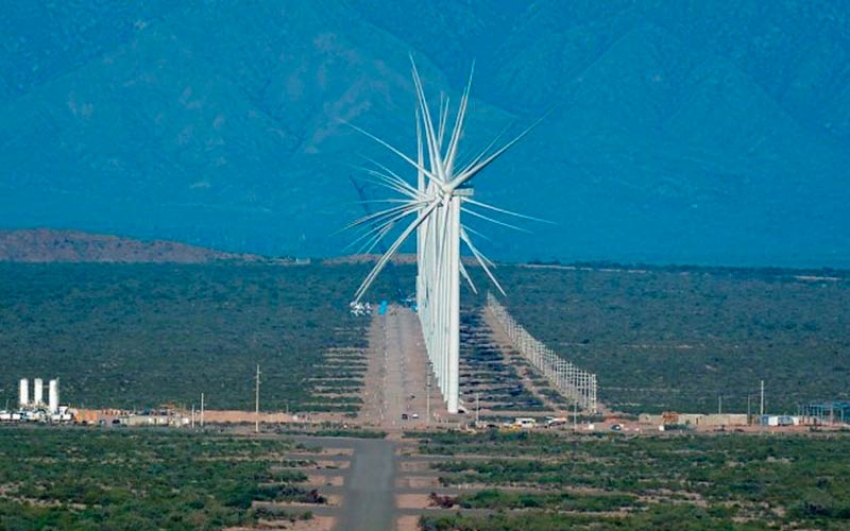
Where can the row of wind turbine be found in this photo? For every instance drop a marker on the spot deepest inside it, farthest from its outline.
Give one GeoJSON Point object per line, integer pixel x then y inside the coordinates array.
{"type": "Point", "coordinates": [431, 207]}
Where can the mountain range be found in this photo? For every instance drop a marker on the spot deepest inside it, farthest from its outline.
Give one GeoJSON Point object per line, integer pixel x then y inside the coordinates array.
{"type": "Point", "coordinates": [695, 131]}
{"type": "Point", "coordinates": [66, 246]}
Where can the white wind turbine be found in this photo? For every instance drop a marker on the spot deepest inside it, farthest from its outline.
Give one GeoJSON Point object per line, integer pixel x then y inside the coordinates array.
{"type": "Point", "coordinates": [435, 203]}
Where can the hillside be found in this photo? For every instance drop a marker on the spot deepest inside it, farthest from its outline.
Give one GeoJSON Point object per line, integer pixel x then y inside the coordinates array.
{"type": "Point", "coordinates": [675, 132]}
{"type": "Point", "coordinates": [47, 246]}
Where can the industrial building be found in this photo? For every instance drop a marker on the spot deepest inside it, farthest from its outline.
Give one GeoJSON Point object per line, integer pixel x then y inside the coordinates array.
{"type": "Point", "coordinates": [715, 420]}
{"type": "Point", "coordinates": [35, 409]}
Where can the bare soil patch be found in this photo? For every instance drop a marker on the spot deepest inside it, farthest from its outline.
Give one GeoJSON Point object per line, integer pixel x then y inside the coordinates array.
{"type": "Point", "coordinates": [333, 465]}
{"type": "Point", "coordinates": [318, 481]}
{"type": "Point", "coordinates": [317, 523]}
{"type": "Point", "coordinates": [417, 483]}
{"type": "Point", "coordinates": [414, 466]}
{"type": "Point", "coordinates": [412, 501]}
{"type": "Point", "coordinates": [407, 523]}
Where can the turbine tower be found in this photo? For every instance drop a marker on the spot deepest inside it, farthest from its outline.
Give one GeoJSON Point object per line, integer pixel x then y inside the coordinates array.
{"type": "Point", "coordinates": [442, 191]}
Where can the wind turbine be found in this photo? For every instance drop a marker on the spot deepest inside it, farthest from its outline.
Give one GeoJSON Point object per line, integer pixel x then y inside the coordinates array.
{"type": "Point", "coordinates": [433, 207]}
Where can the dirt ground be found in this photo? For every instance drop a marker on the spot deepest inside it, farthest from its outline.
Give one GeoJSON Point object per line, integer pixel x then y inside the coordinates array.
{"type": "Point", "coordinates": [417, 483]}
{"type": "Point", "coordinates": [412, 501]}
{"type": "Point", "coordinates": [397, 379]}
{"type": "Point", "coordinates": [317, 523]}
{"type": "Point", "coordinates": [407, 523]}
{"type": "Point", "coordinates": [235, 417]}
{"type": "Point", "coordinates": [318, 481]}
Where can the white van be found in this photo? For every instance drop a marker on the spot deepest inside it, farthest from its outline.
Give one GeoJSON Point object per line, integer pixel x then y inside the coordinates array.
{"type": "Point", "coordinates": [525, 423]}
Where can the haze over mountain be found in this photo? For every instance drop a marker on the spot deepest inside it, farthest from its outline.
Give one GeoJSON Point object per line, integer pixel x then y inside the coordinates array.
{"type": "Point", "coordinates": [692, 132]}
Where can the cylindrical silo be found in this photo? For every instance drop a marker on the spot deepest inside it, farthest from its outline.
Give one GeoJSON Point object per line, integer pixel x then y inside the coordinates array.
{"type": "Point", "coordinates": [53, 396]}
{"type": "Point", "coordinates": [24, 393]}
{"type": "Point", "coordinates": [38, 392]}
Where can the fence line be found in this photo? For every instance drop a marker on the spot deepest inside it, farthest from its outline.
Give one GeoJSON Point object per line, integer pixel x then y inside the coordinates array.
{"type": "Point", "coordinates": [570, 381]}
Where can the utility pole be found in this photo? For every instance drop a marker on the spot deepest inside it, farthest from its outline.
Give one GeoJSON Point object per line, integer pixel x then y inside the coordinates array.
{"type": "Point", "coordinates": [257, 403]}
{"type": "Point", "coordinates": [748, 409]}
{"type": "Point", "coordinates": [428, 396]}
{"type": "Point", "coordinates": [719, 404]}
{"type": "Point", "coordinates": [202, 410]}
{"type": "Point", "coordinates": [476, 409]}
{"type": "Point", "coordinates": [761, 409]}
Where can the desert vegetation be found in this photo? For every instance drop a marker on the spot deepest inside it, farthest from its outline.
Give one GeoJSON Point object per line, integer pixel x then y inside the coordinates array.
{"type": "Point", "coordinates": [684, 339]}
{"type": "Point", "coordinates": [139, 479]}
{"type": "Point", "coordinates": [612, 481]}
{"type": "Point", "coordinates": [658, 338]}
{"type": "Point", "coordinates": [145, 335]}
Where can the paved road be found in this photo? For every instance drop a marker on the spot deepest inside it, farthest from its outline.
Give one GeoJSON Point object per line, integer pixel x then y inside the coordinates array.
{"type": "Point", "coordinates": [369, 502]}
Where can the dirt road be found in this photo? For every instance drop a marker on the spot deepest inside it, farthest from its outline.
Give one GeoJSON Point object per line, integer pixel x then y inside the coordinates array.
{"type": "Point", "coordinates": [398, 381]}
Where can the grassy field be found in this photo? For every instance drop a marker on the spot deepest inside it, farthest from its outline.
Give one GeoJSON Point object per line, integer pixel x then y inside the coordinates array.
{"type": "Point", "coordinates": [82, 479]}
{"type": "Point", "coordinates": [543, 481]}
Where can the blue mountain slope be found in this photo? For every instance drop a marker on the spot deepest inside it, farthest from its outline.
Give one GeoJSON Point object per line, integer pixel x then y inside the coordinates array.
{"type": "Point", "coordinates": [697, 134]}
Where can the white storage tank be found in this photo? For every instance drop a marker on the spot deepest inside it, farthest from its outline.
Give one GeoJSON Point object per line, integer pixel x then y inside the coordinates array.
{"type": "Point", "coordinates": [53, 396]}
{"type": "Point", "coordinates": [38, 392]}
{"type": "Point", "coordinates": [24, 395]}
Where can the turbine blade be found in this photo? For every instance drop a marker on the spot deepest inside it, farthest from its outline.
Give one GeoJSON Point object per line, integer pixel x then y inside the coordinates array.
{"type": "Point", "coordinates": [371, 218]}
{"type": "Point", "coordinates": [496, 221]}
{"type": "Point", "coordinates": [364, 286]}
{"type": "Point", "coordinates": [393, 149]}
{"type": "Point", "coordinates": [444, 117]}
{"type": "Point", "coordinates": [503, 211]}
{"type": "Point", "coordinates": [430, 136]}
{"type": "Point", "coordinates": [470, 171]}
{"type": "Point", "coordinates": [465, 274]}
{"type": "Point", "coordinates": [483, 260]}
{"type": "Point", "coordinates": [451, 153]}
{"type": "Point", "coordinates": [420, 156]}
{"type": "Point", "coordinates": [391, 182]}
{"type": "Point", "coordinates": [474, 232]}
